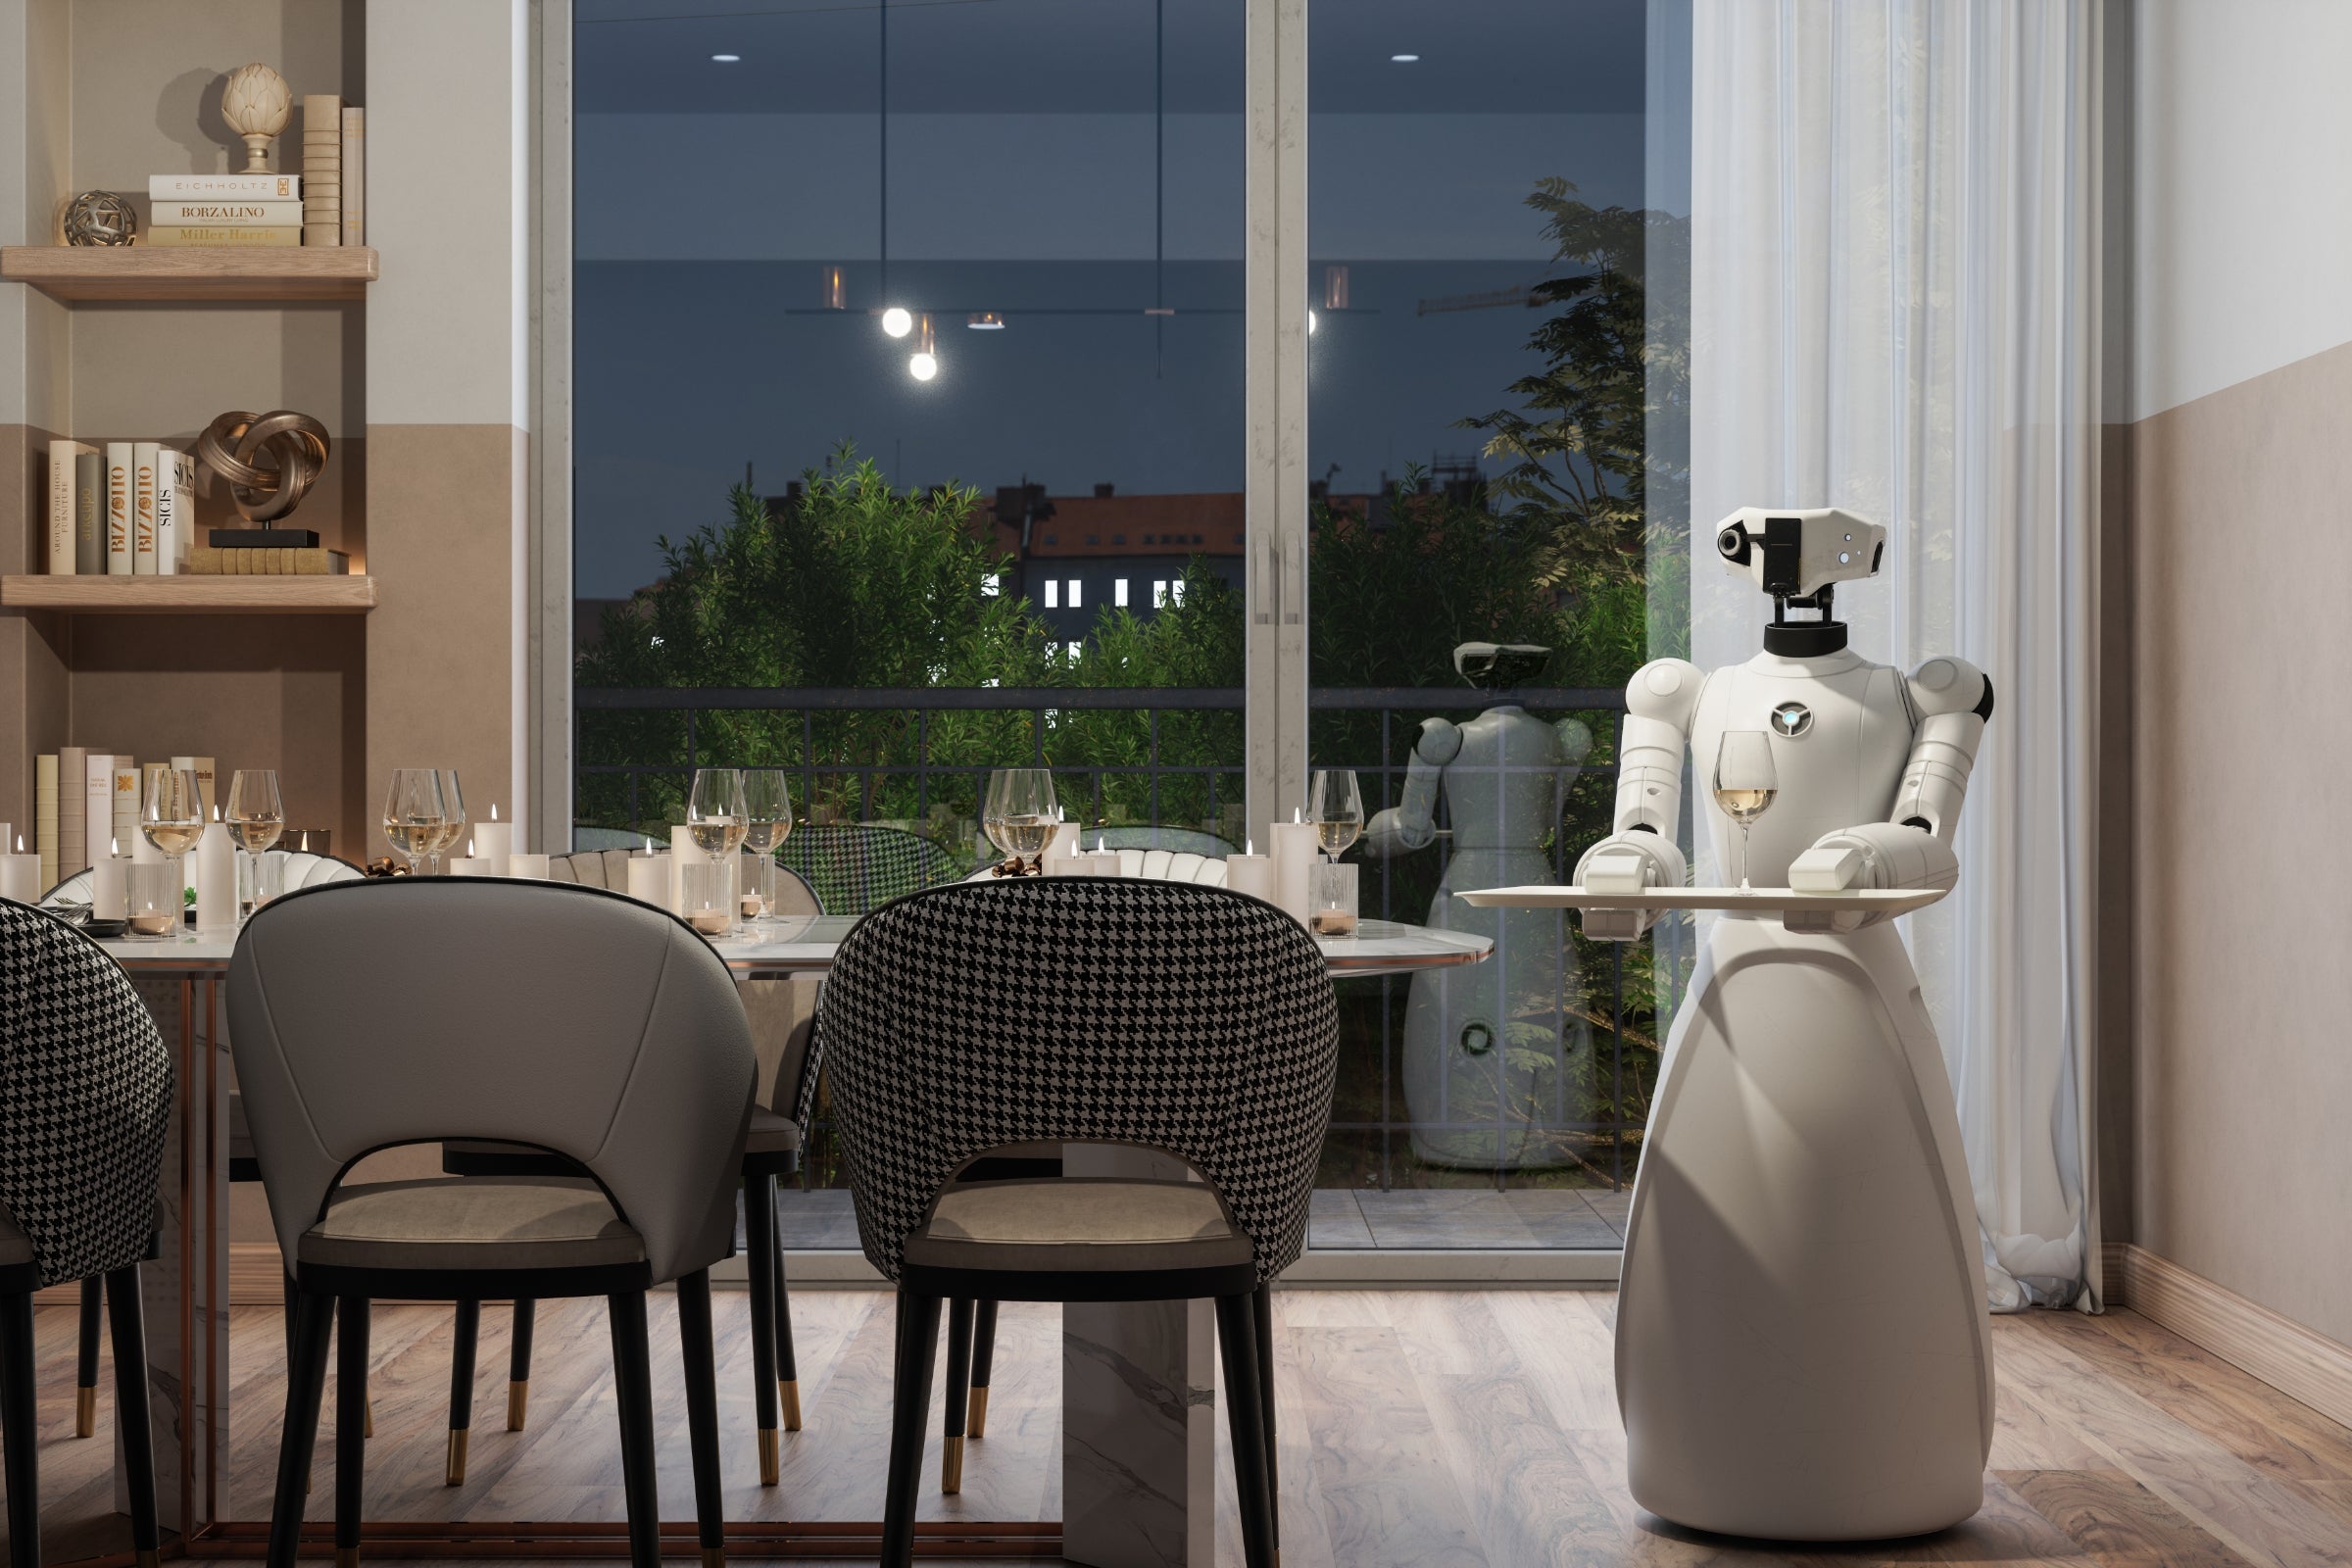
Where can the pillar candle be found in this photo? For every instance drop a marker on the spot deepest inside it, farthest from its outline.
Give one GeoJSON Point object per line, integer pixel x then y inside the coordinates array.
{"type": "Point", "coordinates": [1103, 861]}
{"type": "Point", "coordinates": [1295, 852]}
{"type": "Point", "coordinates": [530, 867]}
{"type": "Point", "coordinates": [1250, 873]}
{"type": "Point", "coordinates": [649, 879]}
{"type": "Point", "coordinates": [20, 874]}
{"type": "Point", "coordinates": [216, 861]}
{"type": "Point", "coordinates": [682, 853]}
{"type": "Point", "coordinates": [494, 841]}
{"type": "Point", "coordinates": [475, 865]}
{"type": "Point", "coordinates": [109, 888]}
{"type": "Point", "coordinates": [1063, 857]}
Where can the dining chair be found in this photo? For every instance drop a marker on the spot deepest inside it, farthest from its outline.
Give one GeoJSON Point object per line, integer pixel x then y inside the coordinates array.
{"type": "Point", "coordinates": [85, 1095]}
{"type": "Point", "coordinates": [978, 1017]}
{"type": "Point", "coordinates": [563, 1019]}
{"type": "Point", "coordinates": [857, 866]}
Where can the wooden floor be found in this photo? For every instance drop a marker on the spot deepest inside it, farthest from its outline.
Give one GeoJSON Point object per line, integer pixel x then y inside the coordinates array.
{"type": "Point", "coordinates": [1418, 1428]}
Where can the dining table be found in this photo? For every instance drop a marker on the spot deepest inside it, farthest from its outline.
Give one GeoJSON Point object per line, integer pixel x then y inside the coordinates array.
{"type": "Point", "coordinates": [1138, 1406]}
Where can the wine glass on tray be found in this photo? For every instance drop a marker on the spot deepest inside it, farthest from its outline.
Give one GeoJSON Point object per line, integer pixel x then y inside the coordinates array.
{"type": "Point", "coordinates": [1745, 783]}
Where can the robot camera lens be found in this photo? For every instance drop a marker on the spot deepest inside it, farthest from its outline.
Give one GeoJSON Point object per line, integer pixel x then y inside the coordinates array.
{"type": "Point", "coordinates": [1731, 541]}
{"type": "Point", "coordinates": [1844, 557]}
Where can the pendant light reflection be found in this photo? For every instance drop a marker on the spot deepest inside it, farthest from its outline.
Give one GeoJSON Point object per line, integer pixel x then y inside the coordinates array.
{"type": "Point", "coordinates": [986, 322]}
{"type": "Point", "coordinates": [836, 289]}
{"type": "Point", "coordinates": [923, 362]}
{"type": "Point", "coordinates": [898, 322]}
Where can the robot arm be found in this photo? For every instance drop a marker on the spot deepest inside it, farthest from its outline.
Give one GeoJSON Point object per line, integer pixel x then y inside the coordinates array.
{"type": "Point", "coordinates": [1411, 824]}
{"type": "Point", "coordinates": [1914, 849]}
{"type": "Point", "coordinates": [1641, 853]}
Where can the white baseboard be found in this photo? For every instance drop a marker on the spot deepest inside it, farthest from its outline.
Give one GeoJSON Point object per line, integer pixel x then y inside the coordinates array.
{"type": "Point", "coordinates": [2291, 1358]}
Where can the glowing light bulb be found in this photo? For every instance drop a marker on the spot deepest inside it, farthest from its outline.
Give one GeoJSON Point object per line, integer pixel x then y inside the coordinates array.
{"type": "Point", "coordinates": [898, 320]}
{"type": "Point", "coordinates": [922, 366]}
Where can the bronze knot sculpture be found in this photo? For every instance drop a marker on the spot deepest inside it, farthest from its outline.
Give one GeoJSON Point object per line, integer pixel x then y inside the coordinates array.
{"type": "Point", "coordinates": [295, 444]}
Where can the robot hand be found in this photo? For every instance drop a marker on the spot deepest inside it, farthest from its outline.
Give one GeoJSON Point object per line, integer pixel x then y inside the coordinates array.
{"type": "Point", "coordinates": [1391, 833]}
{"type": "Point", "coordinates": [1627, 863]}
{"type": "Point", "coordinates": [1875, 855]}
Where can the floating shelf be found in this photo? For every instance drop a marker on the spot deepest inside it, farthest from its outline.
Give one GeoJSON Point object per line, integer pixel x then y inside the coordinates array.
{"type": "Point", "coordinates": [74, 273]}
{"type": "Point", "coordinates": [191, 596]}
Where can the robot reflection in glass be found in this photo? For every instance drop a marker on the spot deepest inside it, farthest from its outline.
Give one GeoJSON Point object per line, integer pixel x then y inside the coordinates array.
{"type": "Point", "coordinates": [1802, 1348]}
{"type": "Point", "coordinates": [1485, 1045]}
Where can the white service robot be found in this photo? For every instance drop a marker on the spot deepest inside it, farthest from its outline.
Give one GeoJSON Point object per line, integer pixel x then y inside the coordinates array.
{"type": "Point", "coordinates": [1489, 1054]}
{"type": "Point", "coordinates": [1802, 1345]}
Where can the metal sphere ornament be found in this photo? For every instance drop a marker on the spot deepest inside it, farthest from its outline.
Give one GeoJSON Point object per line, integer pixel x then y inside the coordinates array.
{"type": "Point", "coordinates": [100, 218]}
{"type": "Point", "coordinates": [295, 444]}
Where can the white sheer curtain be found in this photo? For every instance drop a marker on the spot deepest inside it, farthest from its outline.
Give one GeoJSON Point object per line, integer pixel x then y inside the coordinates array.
{"type": "Point", "coordinates": [1894, 304]}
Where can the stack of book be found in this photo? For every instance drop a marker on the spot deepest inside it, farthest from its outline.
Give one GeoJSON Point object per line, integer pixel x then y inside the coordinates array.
{"type": "Point", "coordinates": [45, 816]}
{"type": "Point", "coordinates": [224, 210]}
{"type": "Point", "coordinates": [127, 510]}
{"type": "Point", "coordinates": [95, 810]}
{"type": "Point", "coordinates": [333, 163]}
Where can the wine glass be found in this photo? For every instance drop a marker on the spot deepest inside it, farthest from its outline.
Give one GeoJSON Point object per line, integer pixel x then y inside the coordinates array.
{"type": "Point", "coordinates": [715, 813]}
{"type": "Point", "coordinates": [257, 815]}
{"type": "Point", "coordinates": [452, 811]}
{"type": "Point", "coordinates": [767, 819]}
{"type": "Point", "coordinates": [1337, 808]}
{"type": "Point", "coordinates": [1744, 784]}
{"type": "Point", "coordinates": [172, 816]}
{"type": "Point", "coordinates": [1022, 812]}
{"type": "Point", "coordinates": [414, 815]}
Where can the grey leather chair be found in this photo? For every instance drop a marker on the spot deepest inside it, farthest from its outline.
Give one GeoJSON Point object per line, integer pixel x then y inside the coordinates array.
{"type": "Point", "coordinates": [565, 1019]}
{"type": "Point", "coordinates": [85, 1098]}
{"type": "Point", "coordinates": [955, 1026]}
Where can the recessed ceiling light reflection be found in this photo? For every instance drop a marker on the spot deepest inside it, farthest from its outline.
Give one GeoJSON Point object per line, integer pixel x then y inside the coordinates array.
{"type": "Point", "coordinates": [1404, 59]}
{"type": "Point", "coordinates": [986, 322]}
{"type": "Point", "coordinates": [922, 366]}
{"type": "Point", "coordinates": [726, 60]}
{"type": "Point", "coordinates": [898, 320]}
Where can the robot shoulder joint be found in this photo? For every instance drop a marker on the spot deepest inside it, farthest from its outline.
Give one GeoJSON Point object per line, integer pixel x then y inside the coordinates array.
{"type": "Point", "coordinates": [1948, 685]}
{"type": "Point", "coordinates": [1666, 690]}
{"type": "Point", "coordinates": [1441, 741]}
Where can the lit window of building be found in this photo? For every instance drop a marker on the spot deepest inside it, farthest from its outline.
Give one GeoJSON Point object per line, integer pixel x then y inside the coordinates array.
{"type": "Point", "coordinates": [1118, 592]}
{"type": "Point", "coordinates": [1160, 592]}
{"type": "Point", "coordinates": [1074, 593]}
{"type": "Point", "coordinates": [1052, 593]}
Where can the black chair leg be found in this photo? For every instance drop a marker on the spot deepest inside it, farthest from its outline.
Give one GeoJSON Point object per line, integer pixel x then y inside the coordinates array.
{"type": "Point", "coordinates": [910, 1407]}
{"type": "Point", "coordinates": [85, 1373]}
{"type": "Point", "coordinates": [960, 1392]}
{"type": "Point", "coordinates": [1245, 1412]}
{"type": "Point", "coordinates": [759, 1231]}
{"type": "Point", "coordinates": [126, 1316]}
{"type": "Point", "coordinates": [20, 1429]}
{"type": "Point", "coordinates": [984, 1359]}
{"type": "Point", "coordinates": [351, 1426]}
{"type": "Point", "coordinates": [518, 1363]}
{"type": "Point", "coordinates": [468, 1338]}
{"type": "Point", "coordinates": [1262, 1316]}
{"type": "Point", "coordinates": [788, 1368]}
{"type": "Point", "coordinates": [633, 1388]}
{"type": "Point", "coordinates": [306, 1389]}
{"type": "Point", "coordinates": [699, 1351]}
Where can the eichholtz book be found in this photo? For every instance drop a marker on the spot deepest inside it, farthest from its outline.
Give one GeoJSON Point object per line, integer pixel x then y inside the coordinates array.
{"type": "Point", "coordinates": [224, 188]}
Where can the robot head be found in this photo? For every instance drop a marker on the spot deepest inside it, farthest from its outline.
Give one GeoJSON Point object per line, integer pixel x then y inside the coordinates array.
{"type": "Point", "coordinates": [1491, 666]}
{"type": "Point", "coordinates": [1794, 555]}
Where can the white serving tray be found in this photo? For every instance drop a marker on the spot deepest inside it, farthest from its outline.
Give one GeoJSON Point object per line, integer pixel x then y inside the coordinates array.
{"type": "Point", "coordinates": [1881, 901]}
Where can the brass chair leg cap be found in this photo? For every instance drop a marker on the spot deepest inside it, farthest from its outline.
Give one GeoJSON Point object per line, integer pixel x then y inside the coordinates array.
{"type": "Point", "coordinates": [975, 1418]}
{"type": "Point", "coordinates": [85, 1412]}
{"type": "Point", "coordinates": [150, 1559]}
{"type": "Point", "coordinates": [347, 1557]}
{"type": "Point", "coordinates": [714, 1557]}
{"type": "Point", "coordinates": [455, 1475]}
{"type": "Point", "coordinates": [368, 1416]}
{"type": "Point", "coordinates": [771, 1459]}
{"type": "Point", "coordinates": [518, 1403]}
{"type": "Point", "coordinates": [789, 1394]}
{"type": "Point", "coordinates": [951, 1467]}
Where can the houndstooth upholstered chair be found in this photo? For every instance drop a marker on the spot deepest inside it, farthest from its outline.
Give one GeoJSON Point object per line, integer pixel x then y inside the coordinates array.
{"type": "Point", "coordinates": [85, 1100]}
{"type": "Point", "coordinates": [567, 1020]}
{"type": "Point", "coordinates": [978, 1016]}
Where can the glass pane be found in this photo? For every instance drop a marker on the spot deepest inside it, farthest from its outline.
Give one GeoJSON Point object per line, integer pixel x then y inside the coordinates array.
{"type": "Point", "coordinates": [1481, 443]}
{"type": "Point", "coordinates": [908, 359]}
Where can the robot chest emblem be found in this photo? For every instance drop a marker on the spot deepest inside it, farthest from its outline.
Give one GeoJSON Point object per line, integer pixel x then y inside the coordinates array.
{"type": "Point", "coordinates": [1792, 719]}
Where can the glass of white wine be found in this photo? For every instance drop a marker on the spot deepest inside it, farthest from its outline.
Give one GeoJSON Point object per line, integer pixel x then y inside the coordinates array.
{"type": "Point", "coordinates": [1745, 783]}
{"type": "Point", "coordinates": [1021, 814]}
{"type": "Point", "coordinates": [414, 815]}
{"type": "Point", "coordinates": [257, 815]}
{"type": "Point", "coordinates": [767, 819]}
{"type": "Point", "coordinates": [1337, 808]}
{"type": "Point", "coordinates": [172, 815]}
{"type": "Point", "coordinates": [715, 814]}
{"type": "Point", "coordinates": [452, 814]}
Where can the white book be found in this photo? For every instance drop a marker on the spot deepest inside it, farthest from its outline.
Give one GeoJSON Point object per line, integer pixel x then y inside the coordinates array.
{"type": "Point", "coordinates": [142, 508]}
{"type": "Point", "coordinates": [323, 169]}
{"type": "Point", "coordinates": [227, 213]}
{"type": "Point", "coordinates": [126, 804]}
{"type": "Point", "coordinates": [224, 188]}
{"type": "Point", "coordinates": [354, 176]}
{"type": "Point", "coordinates": [175, 514]}
{"type": "Point", "coordinates": [98, 797]}
{"type": "Point", "coordinates": [118, 549]}
{"type": "Point", "coordinates": [60, 503]}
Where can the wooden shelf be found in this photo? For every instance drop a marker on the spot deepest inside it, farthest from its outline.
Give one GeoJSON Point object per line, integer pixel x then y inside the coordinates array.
{"type": "Point", "coordinates": [191, 596]}
{"type": "Point", "coordinates": [74, 273]}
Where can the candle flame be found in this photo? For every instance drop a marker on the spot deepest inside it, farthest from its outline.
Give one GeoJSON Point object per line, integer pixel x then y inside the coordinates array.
{"type": "Point", "coordinates": [1296, 815]}
{"type": "Point", "coordinates": [469, 841]}
{"type": "Point", "coordinates": [1249, 846]}
{"type": "Point", "coordinates": [114, 846]}
{"type": "Point", "coordinates": [1099, 849]}
{"type": "Point", "coordinates": [19, 844]}
{"type": "Point", "coordinates": [216, 814]}
{"type": "Point", "coordinates": [493, 817]}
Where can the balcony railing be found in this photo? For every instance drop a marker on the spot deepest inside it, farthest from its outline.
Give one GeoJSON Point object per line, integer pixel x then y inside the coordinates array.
{"type": "Point", "coordinates": [1173, 757]}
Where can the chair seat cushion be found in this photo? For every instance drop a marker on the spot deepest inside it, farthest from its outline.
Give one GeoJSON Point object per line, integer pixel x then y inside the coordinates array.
{"type": "Point", "coordinates": [1077, 1225]}
{"type": "Point", "coordinates": [459, 1223]}
{"type": "Point", "coordinates": [771, 1133]}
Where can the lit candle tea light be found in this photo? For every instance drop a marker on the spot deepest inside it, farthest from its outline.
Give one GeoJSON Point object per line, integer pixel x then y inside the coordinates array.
{"type": "Point", "coordinates": [1251, 872]}
{"type": "Point", "coordinates": [473, 863]}
{"type": "Point", "coordinates": [109, 885]}
{"type": "Point", "coordinates": [20, 874]}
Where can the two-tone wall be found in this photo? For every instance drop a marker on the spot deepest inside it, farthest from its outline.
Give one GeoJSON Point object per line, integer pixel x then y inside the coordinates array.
{"type": "Point", "coordinates": [2234, 453]}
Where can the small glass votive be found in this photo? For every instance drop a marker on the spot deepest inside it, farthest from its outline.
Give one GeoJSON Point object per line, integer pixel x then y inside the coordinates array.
{"type": "Point", "coordinates": [155, 900]}
{"type": "Point", "coordinates": [1334, 900]}
{"type": "Point", "coordinates": [706, 891]}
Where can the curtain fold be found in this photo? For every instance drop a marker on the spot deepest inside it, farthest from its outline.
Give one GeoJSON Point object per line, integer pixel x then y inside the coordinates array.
{"type": "Point", "coordinates": [1894, 308]}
